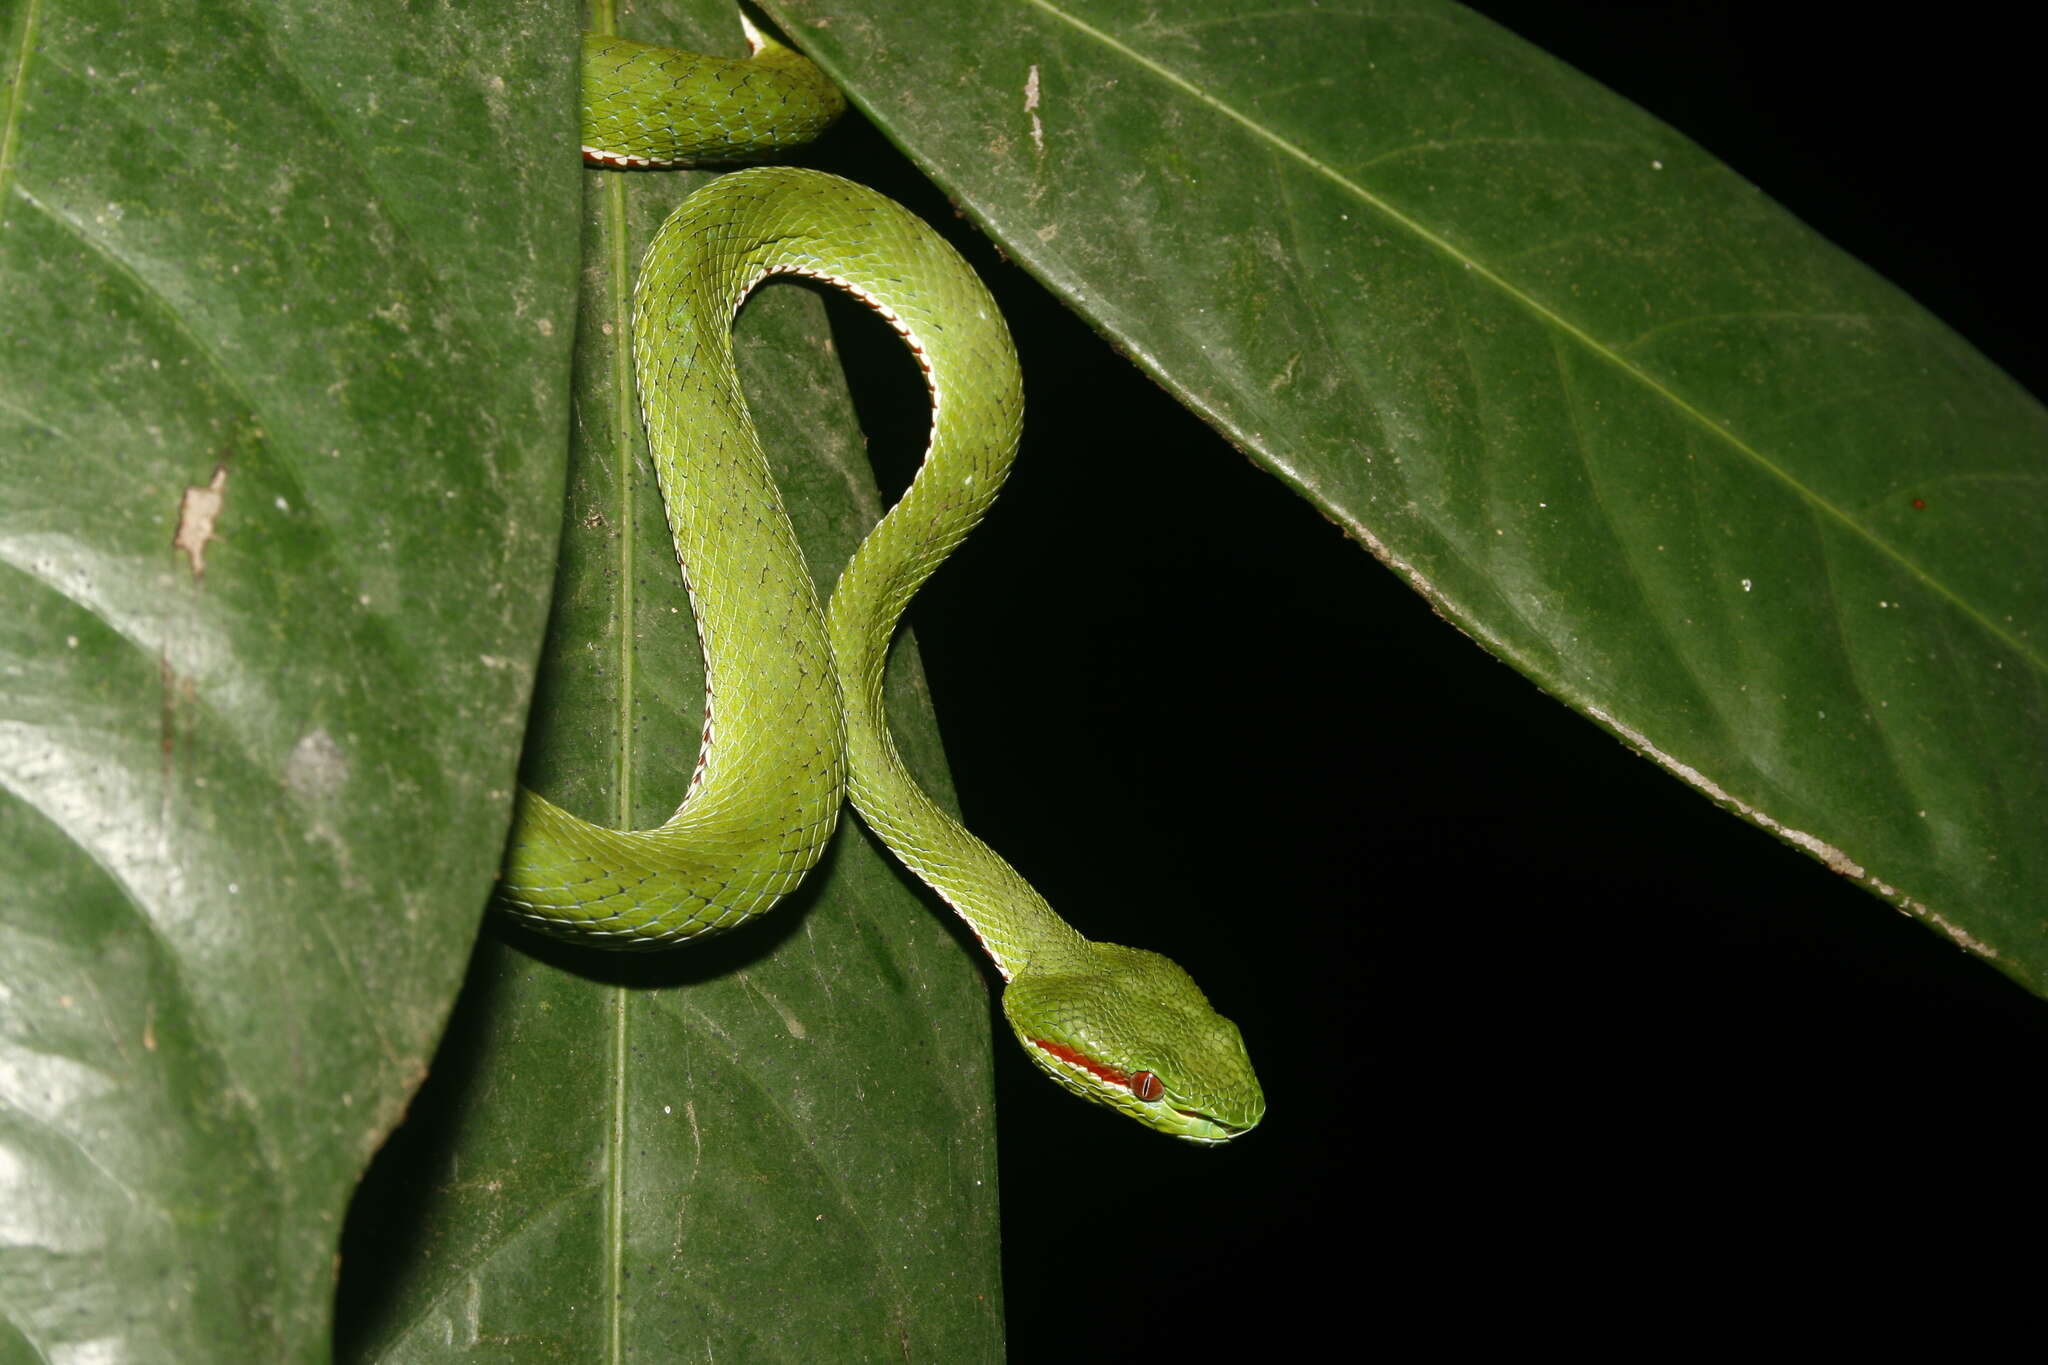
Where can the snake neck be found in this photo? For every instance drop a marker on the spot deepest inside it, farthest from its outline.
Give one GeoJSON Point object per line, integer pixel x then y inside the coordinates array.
{"type": "Point", "coordinates": [1021, 933]}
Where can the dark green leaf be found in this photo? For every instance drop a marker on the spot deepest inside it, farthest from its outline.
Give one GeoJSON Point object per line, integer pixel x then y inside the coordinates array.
{"type": "Point", "coordinates": [1618, 416]}
{"type": "Point", "coordinates": [278, 451]}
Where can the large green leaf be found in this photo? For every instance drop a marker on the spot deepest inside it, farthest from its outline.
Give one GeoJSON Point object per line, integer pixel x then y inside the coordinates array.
{"type": "Point", "coordinates": [1615, 414]}
{"type": "Point", "coordinates": [278, 472]}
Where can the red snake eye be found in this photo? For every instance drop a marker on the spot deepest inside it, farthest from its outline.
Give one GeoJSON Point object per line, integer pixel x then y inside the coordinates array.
{"type": "Point", "coordinates": [1146, 1086]}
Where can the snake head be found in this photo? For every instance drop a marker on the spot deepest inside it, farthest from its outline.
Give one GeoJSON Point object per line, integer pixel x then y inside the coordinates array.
{"type": "Point", "coordinates": [1131, 1030]}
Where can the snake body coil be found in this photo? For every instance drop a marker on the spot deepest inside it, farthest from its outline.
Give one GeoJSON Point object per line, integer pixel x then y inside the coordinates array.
{"type": "Point", "coordinates": [793, 713]}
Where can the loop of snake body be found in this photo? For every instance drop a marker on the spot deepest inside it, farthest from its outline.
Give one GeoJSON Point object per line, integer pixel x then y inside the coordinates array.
{"type": "Point", "coordinates": [793, 706]}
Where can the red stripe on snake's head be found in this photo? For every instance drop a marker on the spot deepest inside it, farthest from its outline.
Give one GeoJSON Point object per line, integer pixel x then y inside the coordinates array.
{"type": "Point", "coordinates": [1100, 1070]}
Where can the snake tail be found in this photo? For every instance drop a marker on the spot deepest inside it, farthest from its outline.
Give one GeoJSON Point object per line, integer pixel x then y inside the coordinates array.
{"type": "Point", "coordinates": [649, 106]}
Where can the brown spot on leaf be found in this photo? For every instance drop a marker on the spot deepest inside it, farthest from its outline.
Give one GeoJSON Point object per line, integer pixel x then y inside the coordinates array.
{"type": "Point", "coordinates": [198, 510]}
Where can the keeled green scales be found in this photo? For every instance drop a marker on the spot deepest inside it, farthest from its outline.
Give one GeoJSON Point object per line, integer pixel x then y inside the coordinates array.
{"type": "Point", "coordinates": [1121, 1026]}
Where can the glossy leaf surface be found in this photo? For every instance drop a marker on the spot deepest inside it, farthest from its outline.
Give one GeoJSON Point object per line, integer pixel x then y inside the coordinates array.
{"type": "Point", "coordinates": [1619, 417]}
{"type": "Point", "coordinates": [276, 475]}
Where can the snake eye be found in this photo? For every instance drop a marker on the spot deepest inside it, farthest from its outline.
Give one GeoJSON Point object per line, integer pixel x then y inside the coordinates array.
{"type": "Point", "coordinates": [1146, 1086]}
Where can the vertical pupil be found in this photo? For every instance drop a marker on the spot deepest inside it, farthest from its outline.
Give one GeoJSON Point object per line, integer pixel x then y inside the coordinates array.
{"type": "Point", "coordinates": [1146, 1086]}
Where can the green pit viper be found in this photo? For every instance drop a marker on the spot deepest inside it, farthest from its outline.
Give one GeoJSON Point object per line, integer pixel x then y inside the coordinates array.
{"type": "Point", "coordinates": [1121, 1026]}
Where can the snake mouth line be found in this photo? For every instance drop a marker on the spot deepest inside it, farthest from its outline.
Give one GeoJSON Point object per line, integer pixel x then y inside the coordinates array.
{"type": "Point", "coordinates": [1225, 1130]}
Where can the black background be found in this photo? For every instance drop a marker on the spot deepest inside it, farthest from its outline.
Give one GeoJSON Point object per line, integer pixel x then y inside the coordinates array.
{"type": "Point", "coordinates": [1555, 1050]}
